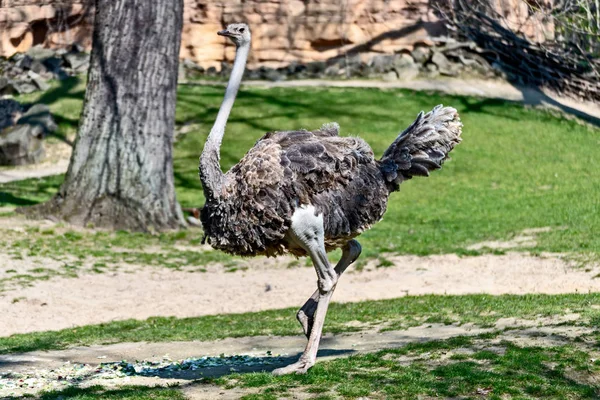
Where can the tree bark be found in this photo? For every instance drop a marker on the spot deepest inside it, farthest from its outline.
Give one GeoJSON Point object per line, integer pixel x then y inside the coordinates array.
{"type": "Point", "coordinates": [121, 170]}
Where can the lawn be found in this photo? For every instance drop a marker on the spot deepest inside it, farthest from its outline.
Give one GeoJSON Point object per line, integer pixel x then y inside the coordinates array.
{"type": "Point", "coordinates": [516, 169]}
{"type": "Point", "coordinates": [548, 360]}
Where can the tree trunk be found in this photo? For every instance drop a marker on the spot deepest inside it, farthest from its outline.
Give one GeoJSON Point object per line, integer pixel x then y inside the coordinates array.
{"type": "Point", "coordinates": [121, 171]}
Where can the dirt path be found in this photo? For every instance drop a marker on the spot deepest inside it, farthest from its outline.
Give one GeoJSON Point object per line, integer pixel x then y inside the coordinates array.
{"type": "Point", "coordinates": [164, 364]}
{"type": "Point", "coordinates": [136, 292]}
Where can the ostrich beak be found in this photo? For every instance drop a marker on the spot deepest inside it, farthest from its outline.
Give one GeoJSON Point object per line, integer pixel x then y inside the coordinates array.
{"type": "Point", "coordinates": [224, 32]}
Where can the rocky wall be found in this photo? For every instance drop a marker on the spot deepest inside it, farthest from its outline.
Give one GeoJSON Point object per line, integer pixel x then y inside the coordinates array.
{"type": "Point", "coordinates": [282, 30]}
{"type": "Point", "coordinates": [305, 31]}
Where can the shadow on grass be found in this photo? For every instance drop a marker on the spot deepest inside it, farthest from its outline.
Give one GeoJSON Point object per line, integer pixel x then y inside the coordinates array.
{"type": "Point", "coordinates": [99, 392]}
{"type": "Point", "coordinates": [29, 192]}
{"type": "Point", "coordinates": [224, 366]}
{"type": "Point", "coordinates": [7, 198]}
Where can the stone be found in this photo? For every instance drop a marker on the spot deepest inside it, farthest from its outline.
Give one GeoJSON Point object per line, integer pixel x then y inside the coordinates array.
{"type": "Point", "coordinates": [333, 70]}
{"type": "Point", "coordinates": [252, 74]}
{"type": "Point", "coordinates": [181, 74]}
{"type": "Point", "coordinates": [403, 60]}
{"type": "Point", "coordinates": [53, 64]}
{"type": "Point", "coordinates": [78, 62]}
{"type": "Point", "coordinates": [444, 65]}
{"type": "Point", "coordinates": [192, 66]}
{"type": "Point", "coordinates": [295, 68]}
{"type": "Point", "coordinates": [22, 87]}
{"type": "Point", "coordinates": [225, 69]}
{"type": "Point", "coordinates": [390, 76]}
{"type": "Point", "coordinates": [10, 112]}
{"type": "Point", "coordinates": [381, 63]}
{"type": "Point", "coordinates": [421, 54]}
{"type": "Point", "coordinates": [3, 83]}
{"type": "Point", "coordinates": [24, 143]}
{"type": "Point", "coordinates": [40, 53]}
{"type": "Point", "coordinates": [39, 115]}
{"type": "Point", "coordinates": [272, 74]}
{"type": "Point", "coordinates": [38, 67]}
{"type": "Point", "coordinates": [38, 81]}
{"type": "Point", "coordinates": [431, 70]}
{"type": "Point", "coordinates": [24, 62]}
{"type": "Point", "coordinates": [316, 68]}
{"type": "Point", "coordinates": [407, 72]}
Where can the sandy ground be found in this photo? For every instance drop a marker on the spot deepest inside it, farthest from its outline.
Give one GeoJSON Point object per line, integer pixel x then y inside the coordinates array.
{"type": "Point", "coordinates": [135, 292]}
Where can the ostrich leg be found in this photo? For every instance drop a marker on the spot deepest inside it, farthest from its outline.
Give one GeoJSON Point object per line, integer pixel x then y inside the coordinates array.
{"type": "Point", "coordinates": [350, 252]}
{"type": "Point", "coordinates": [307, 232]}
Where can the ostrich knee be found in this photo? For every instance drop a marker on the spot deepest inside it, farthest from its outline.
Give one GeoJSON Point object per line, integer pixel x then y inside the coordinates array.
{"type": "Point", "coordinates": [350, 252]}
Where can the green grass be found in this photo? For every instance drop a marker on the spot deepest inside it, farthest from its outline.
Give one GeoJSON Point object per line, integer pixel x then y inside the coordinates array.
{"type": "Point", "coordinates": [517, 168]}
{"type": "Point", "coordinates": [462, 367]}
{"type": "Point", "coordinates": [482, 310]}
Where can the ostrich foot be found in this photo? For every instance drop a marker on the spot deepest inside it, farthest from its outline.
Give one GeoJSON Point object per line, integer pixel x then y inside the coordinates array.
{"type": "Point", "coordinates": [299, 367]}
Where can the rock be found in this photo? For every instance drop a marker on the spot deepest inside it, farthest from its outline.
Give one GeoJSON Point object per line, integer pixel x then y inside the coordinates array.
{"type": "Point", "coordinates": [181, 75]}
{"type": "Point", "coordinates": [421, 54]}
{"type": "Point", "coordinates": [225, 69]}
{"type": "Point", "coordinates": [10, 112]}
{"type": "Point", "coordinates": [38, 80]}
{"type": "Point", "coordinates": [390, 76]}
{"type": "Point", "coordinates": [24, 62]}
{"type": "Point", "coordinates": [252, 74]}
{"type": "Point", "coordinates": [53, 63]}
{"type": "Point", "coordinates": [316, 68]}
{"type": "Point", "coordinates": [39, 115]}
{"type": "Point", "coordinates": [381, 63]}
{"type": "Point", "coordinates": [3, 83]}
{"type": "Point", "coordinates": [38, 67]}
{"type": "Point", "coordinates": [403, 60]}
{"type": "Point", "coordinates": [295, 68]}
{"type": "Point", "coordinates": [444, 65]}
{"type": "Point", "coordinates": [192, 70]}
{"type": "Point", "coordinates": [40, 53]}
{"type": "Point", "coordinates": [407, 72]}
{"type": "Point", "coordinates": [272, 74]}
{"type": "Point", "coordinates": [54, 66]}
{"type": "Point", "coordinates": [23, 143]}
{"type": "Point", "coordinates": [333, 70]}
{"type": "Point", "coordinates": [78, 62]}
{"type": "Point", "coordinates": [211, 71]}
{"type": "Point", "coordinates": [23, 87]}
{"type": "Point", "coordinates": [431, 70]}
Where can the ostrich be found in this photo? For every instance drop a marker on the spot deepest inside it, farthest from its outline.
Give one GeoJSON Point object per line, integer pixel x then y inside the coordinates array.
{"type": "Point", "coordinates": [307, 193]}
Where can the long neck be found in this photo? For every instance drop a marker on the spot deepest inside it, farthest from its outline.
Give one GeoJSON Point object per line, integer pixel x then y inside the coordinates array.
{"type": "Point", "coordinates": [210, 169]}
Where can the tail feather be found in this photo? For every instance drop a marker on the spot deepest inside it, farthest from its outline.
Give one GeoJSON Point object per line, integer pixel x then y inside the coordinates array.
{"type": "Point", "coordinates": [422, 147]}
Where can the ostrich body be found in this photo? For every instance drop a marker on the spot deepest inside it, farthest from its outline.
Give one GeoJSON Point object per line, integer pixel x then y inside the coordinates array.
{"type": "Point", "coordinates": [307, 193]}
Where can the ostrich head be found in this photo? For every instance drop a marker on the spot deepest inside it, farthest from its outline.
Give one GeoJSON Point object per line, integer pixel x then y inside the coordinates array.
{"type": "Point", "coordinates": [238, 33]}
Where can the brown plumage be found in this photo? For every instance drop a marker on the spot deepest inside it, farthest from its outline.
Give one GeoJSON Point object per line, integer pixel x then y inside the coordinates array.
{"type": "Point", "coordinates": [307, 193]}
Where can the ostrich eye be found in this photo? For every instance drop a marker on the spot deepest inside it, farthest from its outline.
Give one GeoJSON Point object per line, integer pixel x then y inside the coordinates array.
{"type": "Point", "coordinates": [242, 30]}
